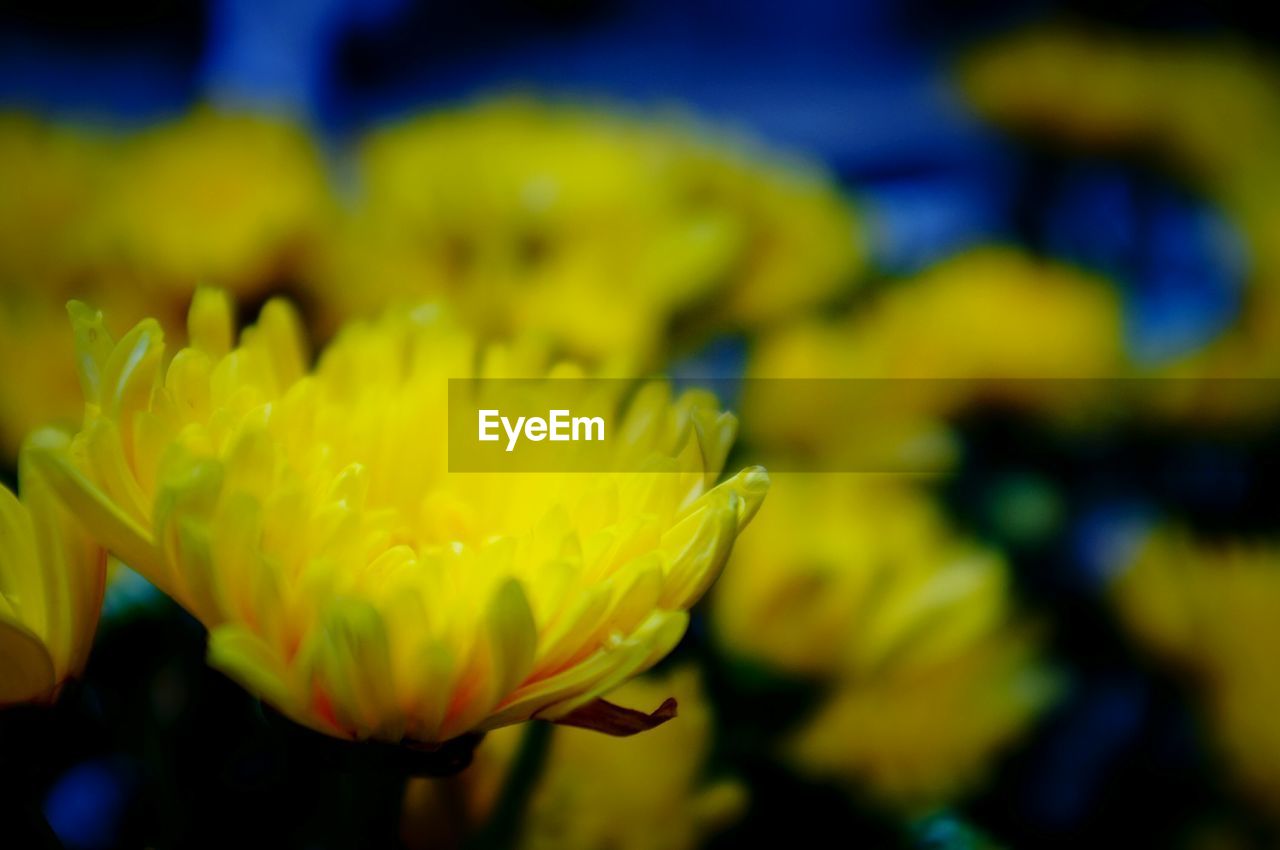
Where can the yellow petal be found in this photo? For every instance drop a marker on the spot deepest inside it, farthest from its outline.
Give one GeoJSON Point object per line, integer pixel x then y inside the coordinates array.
{"type": "Point", "coordinates": [49, 450]}
{"type": "Point", "coordinates": [503, 658]}
{"type": "Point", "coordinates": [697, 549]}
{"type": "Point", "coordinates": [93, 347]}
{"type": "Point", "coordinates": [623, 659]}
{"type": "Point", "coordinates": [72, 568]}
{"type": "Point", "coordinates": [281, 332]}
{"type": "Point", "coordinates": [19, 561]}
{"type": "Point", "coordinates": [26, 670]}
{"type": "Point", "coordinates": [245, 657]}
{"type": "Point", "coordinates": [209, 322]}
{"type": "Point", "coordinates": [132, 373]}
{"type": "Point", "coordinates": [351, 663]}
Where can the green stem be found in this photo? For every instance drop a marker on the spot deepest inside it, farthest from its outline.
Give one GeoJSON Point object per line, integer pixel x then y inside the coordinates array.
{"type": "Point", "coordinates": [503, 827]}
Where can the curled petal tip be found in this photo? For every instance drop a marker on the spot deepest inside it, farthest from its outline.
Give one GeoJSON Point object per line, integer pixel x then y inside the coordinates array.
{"type": "Point", "coordinates": [209, 321]}
{"type": "Point", "coordinates": [755, 480]}
{"type": "Point", "coordinates": [753, 485]}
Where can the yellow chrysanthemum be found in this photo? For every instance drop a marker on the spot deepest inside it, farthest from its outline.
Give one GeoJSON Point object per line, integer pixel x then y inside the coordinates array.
{"type": "Point", "coordinates": [133, 223]}
{"type": "Point", "coordinates": [857, 582]}
{"type": "Point", "coordinates": [990, 324]}
{"type": "Point", "coordinates": [597, 228]}
{"type": "Point", "coordinates": [231, 197]}
{"type": "Point", "coordinates": [1214, 612]}
{"type": "Point", "coordinates": [52, 177]}
{"type": "Point", "coordinates": [310, 521]}
{"type": "Point", "coordinates": [38, 382]}
{"type": "Point", "coordinates": [921, 741]}
{"type": "Point", "coordinates": [1210, 107]}
{"type": "Point", "coordinates": [1211, 111]}
{"type": "Point", "coordinates": [51, 584]}
{"type": "Point", "coordinates": [648, 793]}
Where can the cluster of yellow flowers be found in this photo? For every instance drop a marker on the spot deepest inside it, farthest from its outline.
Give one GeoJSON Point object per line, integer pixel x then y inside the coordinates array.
{"type": "Point", "coordinates": [855, 581]}
{"type": "Point", "coordinates": [1210, 111]}
{"type": "Point", "coordinates": [606, 232]}
{"type": "Point", "coordinates": [607, 235]}
{"type": "Point", "coordinates": [858, 583]}
{"type": "Point", "coordinates": [1210, 611]}
{"type": "Point", "coordinates": [304, 510]}
{"type": "Point", "coordinates": [306, 516]}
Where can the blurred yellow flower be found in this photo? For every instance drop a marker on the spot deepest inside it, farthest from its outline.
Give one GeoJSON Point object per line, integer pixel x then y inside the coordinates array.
{"type": "Point", "coordinates": [133, 223]}
{"type": "Point", "coordinates": [310, 521]}
{"type": "Point", "coordinates": [1213, 611]}
{"type": "Point", "coordinates": [919, 741]}
{"type": "Point", "coordinates": [51, 585]}
{"type": "Point", "coordinates": [989, 324]}
{"type": "Point", "coordinates": [1211, 111]}
{"type": "Point", "coordinates": [230, 198]}
{"type": "Point", "coordinates": [599, 229]}
{"type": "Point", "coordinates": [857, 582]}
{"type": "Point", "coordinates": [38, 382]}
{"type": "Point", "coordinates": [1210, 107]}
{"type": "Point", "coordinates": [843, 571]}
{"type": "Point", "coordinates": [648, 793]}
{"type": "Point", "coordinates": [52, 177]}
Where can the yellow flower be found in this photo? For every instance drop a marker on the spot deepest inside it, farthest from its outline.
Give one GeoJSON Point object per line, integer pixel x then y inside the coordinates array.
{"type": "Point", "coordinates": [310, 521]}
{"type": "Point", "coordinates": [133, 223]}
{"type": "Point", "coordinates": [599, 229]}
{"type": "Point", "coordinates": [38, 382]}
{"type": "Point", "coordinates": [52, 176]}
{"type": "Point", "coordinates": [226, 197]}
{"type": "Point", "coordinates": [51, 584]}
{"type": "Point", "coordinates": [1210, 107]}
{"type": "Point", "coordinates": [1211, 112]}
{"type": "Point", "coordinates": [919, 741]}
{"type": "Point", "coordinates": [857, 582]}
{"type": "Point", "coordinates": [646, 793]}
{"type": "Point", "coordinates": [1214, 613]}
{"type": "Point", "coordinates": [989, 324]}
